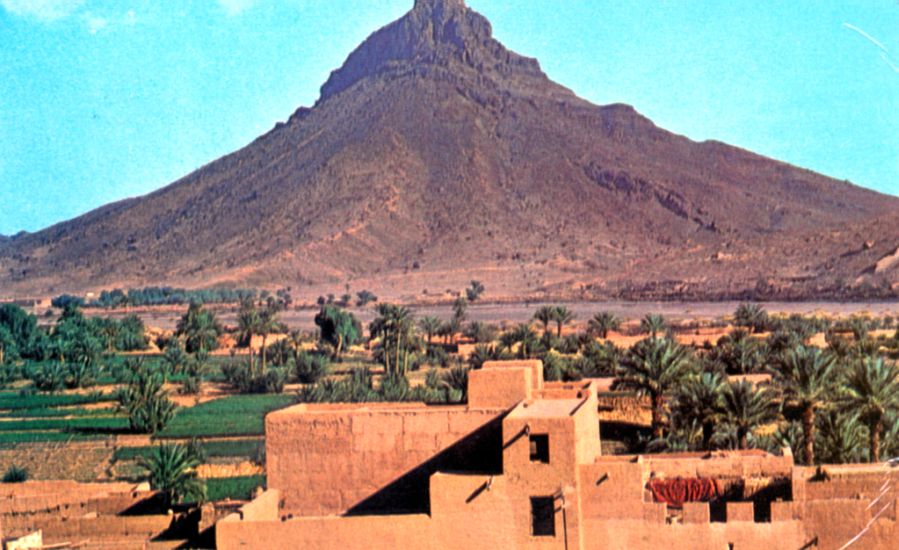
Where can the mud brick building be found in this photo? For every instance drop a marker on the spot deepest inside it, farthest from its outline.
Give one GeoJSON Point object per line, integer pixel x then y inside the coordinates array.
{"type": "Point", "coordinates": [520, 466]}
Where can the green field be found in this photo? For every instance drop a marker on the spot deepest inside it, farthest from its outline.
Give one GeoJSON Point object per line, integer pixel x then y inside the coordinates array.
{"type": "Point", "coordinates": [236, 488]}
{"type": "Point", "coordinates": [16, 400]}
{"type": "Point", "coordinates": [231, 416]}
{"type": "Point", "coordinates": [14, 438]}
{"type": "Point", "coordinates": [53, 412]}
{"type": "Point", "coordinates": [38, 418]}
{"type": "Point", "coordinates": [88, 424]}
{"type": "Point", "coordinates": [248, 448]}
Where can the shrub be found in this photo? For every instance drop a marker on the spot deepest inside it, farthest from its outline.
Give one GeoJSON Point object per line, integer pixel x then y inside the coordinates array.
{"type": "Point", "coordinates": [395, 387]}
{"type": "Point", "coordinates": [457, 379]}
{"type": "Point", "coordinates": [147, 403]}
{"type": "Point", "coordinates": [275, 379]}
{"type": "Point", "coordinates": [432, 379]}
{"type": "Point", "coordinates": [310, 368]}
{"type": "Point", "coordinates": [15, 474]}
{"type": "Point", "coordinates": [554, 367]}
{"type": "Point", "coordinates": [50, 377]}
{"type": "Point", "coordinates": [365, 297]}
{"type": "Point", "coordinates": [172, 471]}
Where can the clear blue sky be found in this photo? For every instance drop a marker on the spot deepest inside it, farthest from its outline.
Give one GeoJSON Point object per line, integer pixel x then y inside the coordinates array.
{"type": "Point", "coordinates": [106, 99]}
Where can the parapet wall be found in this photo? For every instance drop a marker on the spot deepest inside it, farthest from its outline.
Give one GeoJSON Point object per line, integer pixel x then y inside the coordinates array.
{"type": "Point", "coordinates": [328, 460]}
{"type": "Point", "coordinates": [719, 465]}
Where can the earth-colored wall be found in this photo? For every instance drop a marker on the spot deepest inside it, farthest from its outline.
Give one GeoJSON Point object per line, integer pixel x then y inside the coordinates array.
{"type": "Point", "coordinates": [334, 460]}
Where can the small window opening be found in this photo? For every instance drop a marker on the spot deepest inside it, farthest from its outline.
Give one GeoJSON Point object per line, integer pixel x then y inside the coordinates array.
{"type": "Point", "coordinates": [540, 448]}
{"type": "Point", "coordinates": [543, 517]}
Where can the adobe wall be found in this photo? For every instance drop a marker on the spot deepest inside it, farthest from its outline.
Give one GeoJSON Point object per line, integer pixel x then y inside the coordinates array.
{"type": "Point", "coordinates": [265, 507]}
{"type": "Point", "coordinates": [102, 528]}
{"type": "Point", "coordinates": [612, 489]}
{"type": "Point", "coordinates": [499, 387]}
{"type": "Point", "coordinates": [328, 460]}
{"type": "Point", "coordinates": [859, 495]}
{"type": "Point", "coordinates": [534, 365]}
{"type": "Point", "coordinates": [639, 534]}
{"type": "Point", "coordinates": [41, 496]}
{"type": "Point", "coordinates": [720, 465]}
{"type": "Point", "coordinates": [369, 532]}
{"type": "Point", "coordinates": [464, 514]}
{"type": "Point", "coordinates": [625, 409]}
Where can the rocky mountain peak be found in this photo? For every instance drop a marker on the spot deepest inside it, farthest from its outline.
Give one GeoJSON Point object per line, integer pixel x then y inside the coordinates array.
{"type": "Point", "coordinates": [434, 32]}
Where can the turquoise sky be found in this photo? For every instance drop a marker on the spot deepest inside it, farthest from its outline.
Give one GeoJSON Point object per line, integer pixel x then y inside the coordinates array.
{"type": "Point", "coordinates": [106, 99]}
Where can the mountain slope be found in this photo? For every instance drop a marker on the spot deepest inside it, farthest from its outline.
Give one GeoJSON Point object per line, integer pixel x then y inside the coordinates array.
{"type": "Point", "coordinates": [435, 155]}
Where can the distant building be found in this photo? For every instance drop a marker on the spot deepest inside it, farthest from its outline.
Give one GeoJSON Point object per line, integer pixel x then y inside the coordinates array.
{"type": "Point", "coordinates": [520, 467]}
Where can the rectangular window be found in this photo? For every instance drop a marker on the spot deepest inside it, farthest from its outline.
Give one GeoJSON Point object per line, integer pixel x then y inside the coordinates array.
{"type": "Point", "coordinates": [543, 517]}
{"type": "Point", "coordinates": [540, 448]}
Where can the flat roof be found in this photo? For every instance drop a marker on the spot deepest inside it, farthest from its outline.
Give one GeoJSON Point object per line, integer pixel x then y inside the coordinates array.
{"type": "Point", "coordinates": [546, 408]}
{"type": "Point", "coordinates": [388, 407]}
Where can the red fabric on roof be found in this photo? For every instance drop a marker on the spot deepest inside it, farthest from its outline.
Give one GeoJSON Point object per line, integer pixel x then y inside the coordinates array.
{"type": "Point", "coordinates": [675, 492]}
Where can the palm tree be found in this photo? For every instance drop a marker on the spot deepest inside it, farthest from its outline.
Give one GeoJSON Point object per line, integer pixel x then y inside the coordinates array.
{"type": "Point", "coordinates": [562, 316]}
{"type": "Point", "coordinates": [602, 323]}
{"type": "Point", "coordinates": [394, 326]}
{"type": "Point", "coordinates": [653, 324]}
{"type": "Point", "coordinates": [481, 333]}
{"type": "Point", "coordinates": [460, 313]}
{"type": "Point", "coordinates": [430, 326]}
{"type": "Point", "coordinates": [654, 367]}
{"type": "Point", "coordinates": [527, 341]}
{"type": "Point", "coordinates": [805, 376]}
{"type": "Point", "coordinates": [253, 320]}
{"type": "Point", "coordinates": [146, 401]}
{"type": "Point", "coordinates": [840, 438]}
{"type": "Point", "coordinates": [751, 316]}
{"type": "Point", "coordinates": [746, 408]}
{"type": "Point", "coordinates": [247, 321]}
{"type": "Point", "coordinates": [738, 353]}
{"type": "Point", "coordinates": [200, 329]}
{"type": "Point", "coordinates": [871, 393]}
{"type": "Point", "coordinates": [481, 354]}
{"type": "Point", "coordinates": [172, 471]}
{"type": "Point", "coordinates": [545, 315]}
{"type": "Point", "coordinates": [268, 323]}
{"type": "Point", "coordinates": [446, 331]}
{"type": "Point", "coordinates": [699, 400]}
{"type": "Point", "coordinates": [296, 341]}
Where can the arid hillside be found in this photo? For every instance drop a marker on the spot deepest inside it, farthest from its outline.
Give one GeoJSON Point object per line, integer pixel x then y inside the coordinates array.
{"type": "Point", "coordinates": [435, 155]}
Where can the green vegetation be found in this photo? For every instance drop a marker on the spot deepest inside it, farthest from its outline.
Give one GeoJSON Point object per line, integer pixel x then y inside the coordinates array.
{"type": "Point", "coordinates": [14, 474]}
{"type": "Point", "coordinates": [18, 400]}
{"type": "Point", "coordinates": [172, 472]}
{"type": "Point", "coordinates": [339, 329]}
{"type": "Point", "coordinates": [832, 404]}
{"type": "Point", "coordinates": [234, 488]}
{"type": "Point", "coordinates": [97, 425]}
{"type": "Point", "coordinates": [394, 328]}
{"type": "Point", "coordinates": [474, 291]}
{"type": "Point", "coordinates": [235, 415]}
{"type": "Point", "coordinates": [653, 325]}
{"type": "Point", "coordinates": [602, 323]}
{"type": "Point", "coordinates": [655, 367]}
{"type": "Point", "coordinates": [249, 448]}
{"type": "Point", "coordinates": [146, 402]}
{"type": "Point", "coordinates": [16, 438]}
{"type": "Point", "coordinates": [199, 328]}
{"type": "Point", "coordinates": [155, 296]}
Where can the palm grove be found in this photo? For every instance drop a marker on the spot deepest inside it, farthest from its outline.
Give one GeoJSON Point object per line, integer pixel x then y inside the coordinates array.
{"type": "Point", "coordinates": [839, 403]}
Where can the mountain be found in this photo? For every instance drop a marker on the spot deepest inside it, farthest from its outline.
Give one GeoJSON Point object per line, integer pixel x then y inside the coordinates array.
{"type": "Point", "coordinates": [435, 156]}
